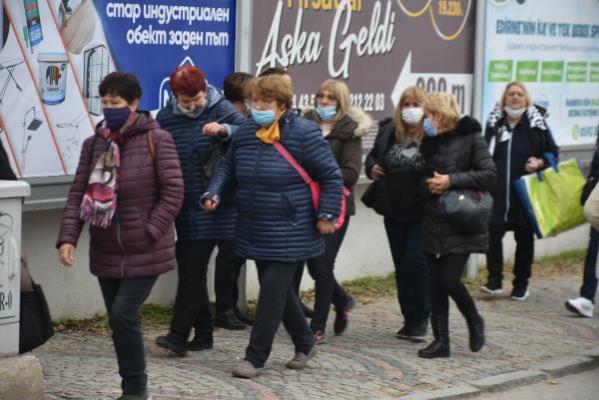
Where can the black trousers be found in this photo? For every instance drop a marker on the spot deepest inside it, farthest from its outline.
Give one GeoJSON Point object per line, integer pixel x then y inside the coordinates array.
{"type": "Point", "coordinates": [411, 269]}
{"type": "Point", "coordinates": [192, 304]}
{"type": "Point", "coordinates": [327, 289]}
{"type": "Point", "coordinates": [445, 277]}
{"type": "Point", "coordinates": [226, 275]}
{"type": "Point", "coordinates": [277, 301]}
{"type": "Point", "coordinates": [525, 252]}
{"type": "Point", "coordinates": [123, 299]}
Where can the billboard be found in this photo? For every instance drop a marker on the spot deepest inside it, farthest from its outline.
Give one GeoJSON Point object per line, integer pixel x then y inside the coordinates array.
{"type": "Point", "coordinates": [377, 47]}
{"type": "Point", "coordinates": [54, 54]}
{"type": "Point", "coordinates": [551, 46]}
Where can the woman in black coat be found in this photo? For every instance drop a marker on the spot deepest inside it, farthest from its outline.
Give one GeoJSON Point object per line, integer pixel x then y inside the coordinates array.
{"type": "Point", "coordinates": [395, 164]}
{"type": "Point", "coordinates": [519, 139]}
{"type": "Point", "coordinates": [457, 158]}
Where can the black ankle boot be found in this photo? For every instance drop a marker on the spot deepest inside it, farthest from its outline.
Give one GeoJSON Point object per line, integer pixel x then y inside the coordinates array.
{"type": "Point", "coordinates": [440, 346]}
{"type": "Point", "coordinates": [476, 330]}
{"type": "Point", "coordinates": [174, 343]}
{"type": "Point", "coordinates": [201, 341]}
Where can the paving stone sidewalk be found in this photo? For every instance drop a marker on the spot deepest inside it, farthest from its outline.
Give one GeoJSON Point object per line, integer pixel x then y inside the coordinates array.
{"type": "Point", "coordinates": [369, 362]}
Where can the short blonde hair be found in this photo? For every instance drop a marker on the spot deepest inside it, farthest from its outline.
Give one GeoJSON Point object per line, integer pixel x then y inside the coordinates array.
{"type": "Point", "coordinates": [270, 88]}
{"type": "Point", "coordinates": [341, 92]}
{"type": "Point", "coordinates": [444, 104]}
{"type": "Point", "coordinates": [401, 133]}
{"type": "Point", "coordinates": [521, 86]}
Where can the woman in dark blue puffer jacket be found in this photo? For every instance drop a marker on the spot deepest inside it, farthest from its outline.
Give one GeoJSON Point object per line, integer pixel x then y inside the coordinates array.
{"type": "Point", "coordinates": [201, 121]}
{"type": "Point", "coordinates": [276, 223]}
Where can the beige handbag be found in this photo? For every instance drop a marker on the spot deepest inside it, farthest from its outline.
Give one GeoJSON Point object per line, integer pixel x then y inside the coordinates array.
{"type": "Point", "coordinates": [591, 208]}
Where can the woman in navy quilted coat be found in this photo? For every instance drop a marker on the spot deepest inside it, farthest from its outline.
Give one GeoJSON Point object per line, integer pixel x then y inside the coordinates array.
{"type": "Point", "coordinates": [276, 223]}
{"type": "Point", "coordinates": [201, 121]}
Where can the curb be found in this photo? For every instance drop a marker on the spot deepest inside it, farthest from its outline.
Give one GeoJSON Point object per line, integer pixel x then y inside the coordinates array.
{"type": "Point", "coordinates": [550, 368]}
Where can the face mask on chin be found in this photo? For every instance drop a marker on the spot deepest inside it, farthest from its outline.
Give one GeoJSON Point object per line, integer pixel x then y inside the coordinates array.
{"type": "Point", "coordinates": [514, 113]}
{"type": "Point", "coordinates": [196, 112]}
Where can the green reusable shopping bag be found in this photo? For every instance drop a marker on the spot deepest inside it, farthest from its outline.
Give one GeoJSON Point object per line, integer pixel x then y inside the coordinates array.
{"type": "Point", "coordinates": [551, 198]}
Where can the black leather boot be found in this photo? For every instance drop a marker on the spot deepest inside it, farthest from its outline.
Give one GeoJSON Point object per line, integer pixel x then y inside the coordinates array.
{"type": "Point", "coordinates": [201, 341]}
{"type": "Point", "coordinates": [174, 343]}
{"type": "Point", "coordinates": [440, 346]}
{"type": "Point", "coordinates": [228, 320]}
{"type": "Point", "coordinates": [476, 330]}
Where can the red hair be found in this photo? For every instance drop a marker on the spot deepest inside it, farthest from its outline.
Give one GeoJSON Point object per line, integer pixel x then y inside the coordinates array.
{"type": "Point", "coordinates": [188, 80]}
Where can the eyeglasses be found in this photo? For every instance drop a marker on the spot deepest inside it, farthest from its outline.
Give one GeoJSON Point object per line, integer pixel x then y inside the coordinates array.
{"type": "Point", "coordinates": [322, 96]}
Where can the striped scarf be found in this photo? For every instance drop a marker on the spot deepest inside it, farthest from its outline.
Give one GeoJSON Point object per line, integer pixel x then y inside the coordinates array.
{"type": "Point", "coordinates": [100, 198]}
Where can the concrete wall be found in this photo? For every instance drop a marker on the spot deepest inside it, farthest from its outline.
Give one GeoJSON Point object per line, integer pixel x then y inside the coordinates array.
{"type": "Point", "coordinates": [74, 292]}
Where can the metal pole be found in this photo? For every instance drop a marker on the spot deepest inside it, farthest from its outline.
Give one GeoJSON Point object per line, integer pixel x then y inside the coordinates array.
{"type": "Point", "coordinates": [478, 95]}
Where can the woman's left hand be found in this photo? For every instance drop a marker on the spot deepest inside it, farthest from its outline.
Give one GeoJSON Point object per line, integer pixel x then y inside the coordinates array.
{"type": "Point", "coordinates": [438, 183]}
{"type": "Point", "coordinates": [214, 129]}
{"type": "Point", "coordinates": [325, 227]}
{"type": "Point", "coordinates": [534, 164]}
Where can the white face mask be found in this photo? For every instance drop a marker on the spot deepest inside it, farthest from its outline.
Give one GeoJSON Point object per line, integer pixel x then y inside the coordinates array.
{"type": "Point", "coordinates": [514, 113]}
{"type": "Point", "coordinates": [412, 116]}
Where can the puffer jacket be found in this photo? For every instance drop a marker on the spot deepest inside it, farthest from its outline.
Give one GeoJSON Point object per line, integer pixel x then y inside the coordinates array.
{"type": "Point", "coordinates": [275, 217]}
{"type": "Point", "coordinates": [140, 240]}
{"type": "Point", "coordinates": [511, 149]}
{"type": "Point", "coordinates": [193, 223]}
{"type": "Point", "coordinates": [464, 156]}
{"type": "Point", "coordinates": [345, 140]}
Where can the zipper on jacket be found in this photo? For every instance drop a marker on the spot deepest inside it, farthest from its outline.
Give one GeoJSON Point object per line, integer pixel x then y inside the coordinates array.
{"type": "Point", "coordinates": [253, 195]}
{"type": "Point", "coordinates": [508, 178]}
{"type": "Point", "coordinates": [120, 241]}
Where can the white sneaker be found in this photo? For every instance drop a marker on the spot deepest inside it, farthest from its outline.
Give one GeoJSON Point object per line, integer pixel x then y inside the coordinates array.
{"type": "Point", "coordinates": [581, 306]}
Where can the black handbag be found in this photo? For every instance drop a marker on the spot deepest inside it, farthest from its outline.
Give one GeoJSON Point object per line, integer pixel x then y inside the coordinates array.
{"type": "Point", "coordinates": [468, 211]}
{"type": "Point", "coordinates": [375, 196]}
{"type": "Point", "coordinates": [35, 327]}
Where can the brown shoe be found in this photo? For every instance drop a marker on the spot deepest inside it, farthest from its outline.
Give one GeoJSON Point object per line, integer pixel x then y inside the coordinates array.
{"type": "Point", "coordinates": [300, 360]}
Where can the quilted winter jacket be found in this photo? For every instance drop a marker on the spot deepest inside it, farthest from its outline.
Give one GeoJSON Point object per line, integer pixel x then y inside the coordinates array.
{"type": "Point", "coordinates": [464, 155]}
{"type": "Point", "coordinates": [345, 140]}
{"type": "Point", "coordinates": [140, 240]}
{"type": "Point", "coordinates": [194, 223]}
{"type": "Point", "coordinates": [275, 217]}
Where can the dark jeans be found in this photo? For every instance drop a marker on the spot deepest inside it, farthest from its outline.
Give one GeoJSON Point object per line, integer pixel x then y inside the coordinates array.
{"type": "Point", "coordinates": [445, 277]}
{"type": "Point", "coordinates": [327, 290]}
{"type": "Point", "coordinates": [226, 274]}
{"type": "Point", "coordinates": [277, 301]}
{"type": "Point", "coordinates": [525, 252]}
{"type": "Point", "coordinates": [123, 299]}
{"type": "Point", "coordinates": [411, 270]}
{"type": "Point", "coordinates": [192, 304]}
{"type": "Point", "coordinates": [589, 279]}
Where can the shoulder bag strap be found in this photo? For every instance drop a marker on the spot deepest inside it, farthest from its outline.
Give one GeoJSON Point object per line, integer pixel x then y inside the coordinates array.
{"type": "Point", "coordinates": [293, 162]}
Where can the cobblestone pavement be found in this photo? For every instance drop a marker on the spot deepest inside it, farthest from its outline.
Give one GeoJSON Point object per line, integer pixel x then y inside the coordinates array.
{"type": "Point", "coordinates": [368, 362]}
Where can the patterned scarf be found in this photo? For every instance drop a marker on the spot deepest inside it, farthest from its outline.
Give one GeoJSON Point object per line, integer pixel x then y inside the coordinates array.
{"type": "Point", "coordinates": [99, 201]}
{"type": "Point", "coordinates": [271, 133]}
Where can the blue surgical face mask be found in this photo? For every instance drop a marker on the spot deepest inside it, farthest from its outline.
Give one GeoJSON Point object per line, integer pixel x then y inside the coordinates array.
{"type": "Point", "coordinates": [263, 117]}
{"type": "Point", "coordinates": [428, 127]}
{"type": "Point", "coordinates": [326, 113]}
{"type": "Point", "coordinates": [116, 117]}
{"type": "Point", "coordinates": [195, 113]}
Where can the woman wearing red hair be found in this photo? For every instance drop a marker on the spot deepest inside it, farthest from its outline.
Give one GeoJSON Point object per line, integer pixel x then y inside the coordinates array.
{"type": "Point", "coordinates": [200, 121]}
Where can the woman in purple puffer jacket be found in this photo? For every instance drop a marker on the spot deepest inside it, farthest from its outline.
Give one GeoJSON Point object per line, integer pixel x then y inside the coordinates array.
{"type": "Point", "coordinates": [129, 187]}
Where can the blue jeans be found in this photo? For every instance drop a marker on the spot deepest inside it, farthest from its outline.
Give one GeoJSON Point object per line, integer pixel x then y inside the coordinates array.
{"type": "Point", "coordinates": [589, 278]}
{"type": "Point", "coordinates": [123, 299]}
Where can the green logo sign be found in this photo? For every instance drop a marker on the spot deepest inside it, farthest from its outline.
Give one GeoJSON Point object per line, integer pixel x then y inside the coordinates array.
{"type": "Point", "coordinates": [501, 70]}
{"type": "Point", "coordinates": [576, 132]}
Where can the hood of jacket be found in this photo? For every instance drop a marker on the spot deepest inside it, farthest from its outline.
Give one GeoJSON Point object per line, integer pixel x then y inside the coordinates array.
{"type": "Point", "coordinates": [359, 123]}
{"type": "Point", "coordinates": [536, 116]}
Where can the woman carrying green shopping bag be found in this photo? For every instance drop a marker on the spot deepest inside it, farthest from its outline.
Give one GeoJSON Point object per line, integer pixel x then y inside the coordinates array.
{"type": "Point", "coordinates": [518, 137]}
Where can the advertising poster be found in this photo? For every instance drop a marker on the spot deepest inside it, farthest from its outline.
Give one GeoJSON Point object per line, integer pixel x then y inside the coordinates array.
{"type": "Point", "coordinates": [378, 47]}
{"type": "Point", "coordinates": [552, 47]}
{"type": "Point", "coordinates": [55, 53]}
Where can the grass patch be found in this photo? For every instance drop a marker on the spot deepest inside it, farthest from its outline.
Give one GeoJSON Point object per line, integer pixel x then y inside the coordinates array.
{"type": "Point", "coordinates": [152, 316]}
{"type": "Point", "coordinates": [366, 290]}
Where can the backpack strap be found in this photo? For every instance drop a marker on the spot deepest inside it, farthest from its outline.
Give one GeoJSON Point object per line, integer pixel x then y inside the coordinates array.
{"type": "Point", "coordinates": [151, 145]}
